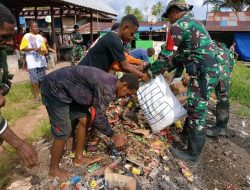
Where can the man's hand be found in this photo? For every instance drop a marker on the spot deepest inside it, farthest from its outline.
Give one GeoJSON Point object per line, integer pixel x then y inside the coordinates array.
{"type": "Point", "coordinates": [139, 67]}
{"type": "Point", "coordinates": [37, 49]}
{"type": "Point", "coordinates": [27, 155]}
{"type": "Point", "coordinates": [145, 77]}
{"type": "Point", "coordinates": [185, 79]}
{"type": "Point", "coordinates": [120, 141]}
{"type": "Point", "coordinates": [2, 100]}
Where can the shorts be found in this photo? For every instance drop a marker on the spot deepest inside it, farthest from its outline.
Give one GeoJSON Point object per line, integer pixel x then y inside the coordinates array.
{"type": "Point", "coordinates": [37, 74]}
{"type": "Point", "coordinates": [61, 115]}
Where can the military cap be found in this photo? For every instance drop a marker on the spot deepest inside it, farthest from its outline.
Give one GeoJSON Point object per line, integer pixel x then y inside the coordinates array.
{"type": "Point", "coordinates": [181, 4]}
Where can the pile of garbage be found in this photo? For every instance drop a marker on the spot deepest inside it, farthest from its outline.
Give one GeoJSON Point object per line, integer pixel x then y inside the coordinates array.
{"type": "Point", "coordinates": [145, 162]}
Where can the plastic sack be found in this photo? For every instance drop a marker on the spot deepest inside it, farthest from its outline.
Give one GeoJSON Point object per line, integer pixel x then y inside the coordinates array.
{"type": "Point", "coordinates": [161, 108]}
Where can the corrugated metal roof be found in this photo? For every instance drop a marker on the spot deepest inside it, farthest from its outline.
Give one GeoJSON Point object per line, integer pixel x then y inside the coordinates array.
{"type": "Point", "coordinates": [97, 27]}
{"type": "Point", "coordinates": [141, 29]}
{"type": "Point", "coordinates": [98, 5]}
{"type": "Point", "coordinates": [228, 21]}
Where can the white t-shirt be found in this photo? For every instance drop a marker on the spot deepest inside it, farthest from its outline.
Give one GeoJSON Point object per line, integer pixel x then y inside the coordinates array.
{"type": "Point", "coordinates": [34, 59]}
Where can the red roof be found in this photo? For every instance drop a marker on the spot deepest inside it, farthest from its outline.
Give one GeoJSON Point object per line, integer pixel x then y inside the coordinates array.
{"type": "Point", "coordinates": [228, 21]}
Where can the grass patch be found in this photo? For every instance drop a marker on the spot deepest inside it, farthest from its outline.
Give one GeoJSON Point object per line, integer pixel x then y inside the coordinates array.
{"type": "Point", "coordinates": [8, 162]}
{"type": "Point", "coordinates": [242, 111]}
{"type": "Point", "coordinates": [240, 85]}
{"type": "Point", "coordinates": [43, 130]}
{"type": "Point", "coordinates": [19, 102]}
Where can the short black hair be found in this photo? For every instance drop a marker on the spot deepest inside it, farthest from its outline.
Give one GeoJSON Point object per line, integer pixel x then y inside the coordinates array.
{"type": "Point", "coordinates": [32, 22]}
{"type": "Point", "coordinates": [151, 49]}
{"type": "Point", "coordinates": [6, 16]}
{"type": "Point", "coordinates": [131, 19]}
{"type": "Point", "coordinates": [76, 26]}
{"type": "Point", "coordinates": [27, 30]}
{"type": "Point", "coordinates": [132, 80]}
{"type": "Point", "coordinates": [115, 26]}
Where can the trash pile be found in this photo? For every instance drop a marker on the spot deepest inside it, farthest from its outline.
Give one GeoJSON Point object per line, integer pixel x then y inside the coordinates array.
{"type": "Point", "coordinates": [145, 162]}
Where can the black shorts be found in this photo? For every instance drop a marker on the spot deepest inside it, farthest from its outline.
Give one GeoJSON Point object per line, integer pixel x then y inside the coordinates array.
{"type": "Point", "coordinates": [61, 115]}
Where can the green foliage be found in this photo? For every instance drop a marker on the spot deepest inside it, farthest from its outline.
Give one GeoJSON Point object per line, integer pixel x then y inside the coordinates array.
{"type": "Point", "coordinates": [136, 11]}
{"type": "Point", "coordinates": [240, 85]}
{"type": "Point", "coordinates": [238, 5]}
{"type": "Point", "coordinates": [157, 9]}
{"type": "Point", "coordinates": [128, 10]}
{"type": "Point", "coordinates": [216, 8]}
{"type": "Point", "coordinates": [19, 102]}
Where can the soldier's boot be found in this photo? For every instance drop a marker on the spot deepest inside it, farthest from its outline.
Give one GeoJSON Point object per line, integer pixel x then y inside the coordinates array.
{"type": "Point", "coordinates": [196, 141]}
{"type": "Point", "coordinates": [184, 134]}
{"type": "Point", "coordinates": [222, 118]}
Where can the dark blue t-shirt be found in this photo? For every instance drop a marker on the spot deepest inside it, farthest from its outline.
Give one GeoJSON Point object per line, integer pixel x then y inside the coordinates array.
{"type": "Point", "coordinates": [85, 86]}
{"type": "Point", "coordinates": [109, 48]}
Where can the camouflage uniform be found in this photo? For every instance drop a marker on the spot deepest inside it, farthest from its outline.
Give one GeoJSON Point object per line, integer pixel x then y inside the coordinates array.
{"type": "Point", "coordinates": [194, 42]}
{"type": "Point", "coordinates": [77, 51]}
{"type": "Point", "coordinates": [195, 51]}
{"type": "Point", "coordinates": [226, 60]}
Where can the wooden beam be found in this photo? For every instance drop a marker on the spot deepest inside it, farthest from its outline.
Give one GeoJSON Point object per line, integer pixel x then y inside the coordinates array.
{"type": "Point", "coordinates": [35, 13]}
{"type": "Point", "coordinates": [53, 35]}
{"type": "Point", "coordinates": [17, 17]}
{"type": "Point", "coordinates": [91, 27]}
{"type": "Point", "coordinates": [61, 19]}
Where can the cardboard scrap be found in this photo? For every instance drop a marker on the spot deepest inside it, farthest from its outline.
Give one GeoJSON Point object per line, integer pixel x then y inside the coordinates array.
{"type": "Point", "coordinates": [144, 132]}
{"type": "Point", "coordinates": [120, 181]}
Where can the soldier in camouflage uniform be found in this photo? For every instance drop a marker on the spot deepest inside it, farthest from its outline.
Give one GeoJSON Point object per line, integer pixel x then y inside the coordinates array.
{"type": "Point", "coordinates": [226, 59]}
{"type": "Point", "coordinates": [77, 51]}
{"type": "Point", "coordinates": [195, 46]}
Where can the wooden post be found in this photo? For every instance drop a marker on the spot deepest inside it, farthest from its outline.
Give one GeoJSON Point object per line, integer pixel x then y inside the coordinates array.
{"type": "Point", "coordinates": [36, 13]}
{"type": "Point", "coordinates": [61, 18]}
{"type": "Point", "coordinates": [17, 17]}
{"type": "Point", "coordinates": [91, 27]}
{"type": "Point", "coordinates": [53, 35]}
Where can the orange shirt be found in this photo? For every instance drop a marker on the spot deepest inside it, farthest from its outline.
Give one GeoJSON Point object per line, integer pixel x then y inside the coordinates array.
{"type": "Point", "coordinates": [134, 61]}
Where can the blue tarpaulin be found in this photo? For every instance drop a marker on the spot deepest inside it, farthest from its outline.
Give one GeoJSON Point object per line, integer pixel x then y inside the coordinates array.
{"type": "Point", "coordinates": [242, 40]}
{"type": "Point", "coordinates": [22, 20]}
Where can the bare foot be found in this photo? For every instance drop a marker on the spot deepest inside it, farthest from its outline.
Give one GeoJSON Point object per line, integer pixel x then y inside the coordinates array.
{"type": "Point", "coordinates": [86, 161]}
{"type": "Point", "coordinates": [62, 174]}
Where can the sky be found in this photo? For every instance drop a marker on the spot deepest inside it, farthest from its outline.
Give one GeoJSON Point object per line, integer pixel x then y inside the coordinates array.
{"type": "Point", "coordinates": [119, 6]}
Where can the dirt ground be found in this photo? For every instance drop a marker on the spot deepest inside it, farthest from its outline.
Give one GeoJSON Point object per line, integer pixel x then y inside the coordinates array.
{"type": "Point", "coordinates": [225, 162]}
{"type": "Point", "coordinates": [223, 165]}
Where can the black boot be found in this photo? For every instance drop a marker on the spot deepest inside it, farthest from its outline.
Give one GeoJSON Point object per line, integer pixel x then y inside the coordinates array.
{"type": "Point", "coordinates": [196, 141]}
{"type": "Point", "coordinates": [184, 133]}
{"type": "Point", "coordinates": [222, 118]}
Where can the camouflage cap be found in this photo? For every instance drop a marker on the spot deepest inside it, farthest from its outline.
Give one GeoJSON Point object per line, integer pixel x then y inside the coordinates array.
{"type": "Point", "coordinates": [181, 4]}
